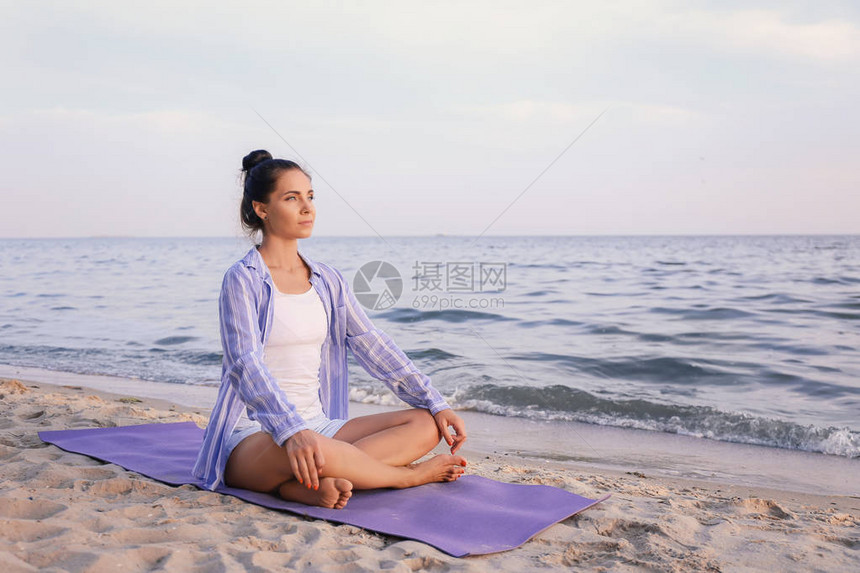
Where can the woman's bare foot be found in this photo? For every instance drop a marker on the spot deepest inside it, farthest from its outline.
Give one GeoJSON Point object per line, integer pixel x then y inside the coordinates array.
{"type": "Point", "coordinates": [333, 493]}
{"type": "Point", "coordinates": [443, 467]}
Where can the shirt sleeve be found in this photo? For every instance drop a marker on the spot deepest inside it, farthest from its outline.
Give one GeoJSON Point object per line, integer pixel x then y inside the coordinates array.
{"type": "Point", "coordinates": [241, 340]}
{"type": "Point", "coordinates": [381, 358]}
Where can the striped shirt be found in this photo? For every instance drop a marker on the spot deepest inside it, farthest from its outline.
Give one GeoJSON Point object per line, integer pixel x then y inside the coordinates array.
{"type": "Point", "coordinates": [246, 309]}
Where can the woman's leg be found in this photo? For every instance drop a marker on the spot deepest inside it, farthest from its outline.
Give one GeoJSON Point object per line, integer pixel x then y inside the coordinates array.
{"type": "Point", "coordinates": [258, 464]}
{"type": "Point", "coordinates": [394, 438]}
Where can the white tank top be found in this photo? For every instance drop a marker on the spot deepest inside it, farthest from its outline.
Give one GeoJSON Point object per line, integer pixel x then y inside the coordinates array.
{"type": "Point", "coordinates": [293, 351]}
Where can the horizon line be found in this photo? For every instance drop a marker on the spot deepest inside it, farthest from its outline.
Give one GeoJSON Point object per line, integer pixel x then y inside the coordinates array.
{"type": "Point", "coordinates": [444, 235]}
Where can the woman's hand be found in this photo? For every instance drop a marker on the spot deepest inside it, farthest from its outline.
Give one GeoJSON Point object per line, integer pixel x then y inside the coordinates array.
{"type": "Point", "coordinates": [446, 418]}
{"type": "Point", "coordinates": [306, 457]}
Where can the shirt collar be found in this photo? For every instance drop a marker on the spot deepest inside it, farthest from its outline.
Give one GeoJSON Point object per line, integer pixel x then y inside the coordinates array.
{"type": "Point", "coordinates": [253, 260]}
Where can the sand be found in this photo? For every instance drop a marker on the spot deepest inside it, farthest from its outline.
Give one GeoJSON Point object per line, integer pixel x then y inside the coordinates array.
{"type": "Point", "coordinates": [66, 512]}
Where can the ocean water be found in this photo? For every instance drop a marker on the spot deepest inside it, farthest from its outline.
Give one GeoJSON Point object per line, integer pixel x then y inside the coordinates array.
{"type": "Point", "coordinates": [753, 340]}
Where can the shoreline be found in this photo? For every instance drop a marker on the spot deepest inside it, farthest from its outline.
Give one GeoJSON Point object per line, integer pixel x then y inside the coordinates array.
{"type": "Point", "coordinates": [564, 445]}
{"type": "Point", "coordinates": [67, 511]}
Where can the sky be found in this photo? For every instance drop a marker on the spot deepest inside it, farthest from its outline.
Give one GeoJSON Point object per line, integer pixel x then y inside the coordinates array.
{"type": "Point", "coordinates": [459, 118]}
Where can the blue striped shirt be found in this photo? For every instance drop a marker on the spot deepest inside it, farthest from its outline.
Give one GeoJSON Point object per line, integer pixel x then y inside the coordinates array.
{"type": "Point", "coordinates": [245, 308]}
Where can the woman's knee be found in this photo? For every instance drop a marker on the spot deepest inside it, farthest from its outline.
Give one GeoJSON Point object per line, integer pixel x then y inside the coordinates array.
{"type": "Point", "coordinates": [333, 449]}
{"type": "Point", "coordinates": [257, 464]}
{"type": "Point", "coordinates": [426, 427]}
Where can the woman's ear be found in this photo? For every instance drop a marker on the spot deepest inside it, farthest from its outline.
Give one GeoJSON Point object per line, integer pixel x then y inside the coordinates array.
{"type": "Point", "coordinates": [261, 209]}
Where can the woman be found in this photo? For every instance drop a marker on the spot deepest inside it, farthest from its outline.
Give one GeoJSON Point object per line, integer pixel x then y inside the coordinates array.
{"type": "Point", "coordinates": [279, 423]}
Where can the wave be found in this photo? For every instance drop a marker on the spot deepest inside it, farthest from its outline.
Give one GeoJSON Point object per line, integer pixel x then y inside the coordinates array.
{"type": "Point", "coordinates": [551, 266]}
{"type": "Point", "coordinates": [837, 315]}
{"type": "Point", "coordinates": [172, 340]}
{"type": "Point", "coordinates": [550, 322]}
{"type": "Point", "coordinates": [431, 354]}
{"type": "Point", "coordinates": [774, 298]}
{"type": "Point", "coordinates": [679, 370]}
{"type": "Point", "coordinates": [560, 403]}
{"type": "Point", "coordinates": [200, 358]}
{"type": "Point", "coordinates": [848, 305]}
{"type": "Point", "coordinates": [405, 315]}
{"type": "Point", "coordinates": [168, 364]}
{"type": "Point", "coordinates": [719, 313]}
{"type": "Point", "coordinates": [541, 292]}
{"type": "Point", "coordinates": [844, 280]}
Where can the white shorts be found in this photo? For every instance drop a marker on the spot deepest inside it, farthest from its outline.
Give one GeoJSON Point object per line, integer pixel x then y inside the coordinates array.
{"type": "Point", "coordinates": [319, 424]}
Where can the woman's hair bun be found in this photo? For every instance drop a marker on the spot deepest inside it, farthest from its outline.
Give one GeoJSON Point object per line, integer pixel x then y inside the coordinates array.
{"type": "Point", "coordinates": [254, 158]}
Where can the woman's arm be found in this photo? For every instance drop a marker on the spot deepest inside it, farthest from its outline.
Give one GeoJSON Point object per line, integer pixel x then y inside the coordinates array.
{"type": "Point", "coordinates": [241, 341]}
{"type": "Point", "coordinates": [382, 358]}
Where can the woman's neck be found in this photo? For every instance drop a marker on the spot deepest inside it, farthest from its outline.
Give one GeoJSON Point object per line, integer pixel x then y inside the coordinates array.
{"type": "Point", "coordinates": [281, 254]}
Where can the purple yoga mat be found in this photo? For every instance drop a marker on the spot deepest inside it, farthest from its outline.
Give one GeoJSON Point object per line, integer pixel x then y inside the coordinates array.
{"type": "Point", "coordinates": [472, 516]}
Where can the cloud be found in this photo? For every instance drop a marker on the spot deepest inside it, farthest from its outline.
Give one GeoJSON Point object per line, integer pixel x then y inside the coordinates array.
{"type": "Point", "coordinates": [422, 108]}
{"type": "Point", "coordinates": [522, 111]}
{"type": "Point", "coordinates": [833, 40]}
{"type": "Point", "coordinates": [530, 110]}
{"type": "Point", "coordinates": [161, 122]}
{"type": "Point", "coordinates": [770, 32]}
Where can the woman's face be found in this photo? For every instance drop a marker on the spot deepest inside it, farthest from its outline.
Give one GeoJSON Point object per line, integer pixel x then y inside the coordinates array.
{"type": "Point", "coordinates": [290, 212]}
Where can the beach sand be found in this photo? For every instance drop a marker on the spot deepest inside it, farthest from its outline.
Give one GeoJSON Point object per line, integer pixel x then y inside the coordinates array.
{"type": "Point", "coordinates": [67, 512]}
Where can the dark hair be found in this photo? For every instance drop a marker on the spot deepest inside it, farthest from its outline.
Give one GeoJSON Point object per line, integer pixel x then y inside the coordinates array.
{"type": "Point", "coordinates": [259, 176]}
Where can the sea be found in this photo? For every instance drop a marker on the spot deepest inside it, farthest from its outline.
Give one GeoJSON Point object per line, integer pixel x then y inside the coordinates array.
{"type": "Point", "coordinates": [746, 339]}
